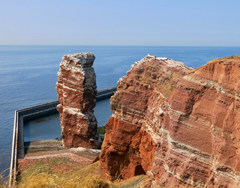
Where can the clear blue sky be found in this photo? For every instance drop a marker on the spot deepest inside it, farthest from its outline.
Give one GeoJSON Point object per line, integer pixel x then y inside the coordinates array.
{"type": "Point", "coordinates": [120, 22]}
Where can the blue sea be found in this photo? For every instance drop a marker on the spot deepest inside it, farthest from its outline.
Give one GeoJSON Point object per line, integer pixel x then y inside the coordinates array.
{"type": "Point", "coordinates": [28, 75]}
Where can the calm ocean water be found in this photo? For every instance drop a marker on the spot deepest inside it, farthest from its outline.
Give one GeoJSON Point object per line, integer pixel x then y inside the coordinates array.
{"type": "Point", "coordinates": [28, 74]}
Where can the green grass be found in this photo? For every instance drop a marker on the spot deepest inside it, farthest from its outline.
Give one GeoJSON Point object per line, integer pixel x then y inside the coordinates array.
{"type": "Point", "coordinates": [53, 173]}
{"type": "Point", "coordinates": [101, 130]}
{"type": "Point", "coordinates": [41, 175]}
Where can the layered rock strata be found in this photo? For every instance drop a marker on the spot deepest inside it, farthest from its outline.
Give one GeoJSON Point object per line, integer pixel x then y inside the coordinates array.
{"type": "Point", "coordinates": [76, 88]}
{"type": "Point", "coordinates": [139, 107]}
{"type": "Point", "coordinates": [184, 129]}
{"type": "Point", "coordinates": [199, 141]}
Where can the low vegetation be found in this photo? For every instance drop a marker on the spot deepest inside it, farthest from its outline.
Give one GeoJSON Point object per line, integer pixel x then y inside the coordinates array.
{"type": "Point", "coordinates": [42, 175]}
{"type": "Point", "coordinates": [3, 181]}
{"type": "Point", "coordinates": [61, 172]}
{"type": "Point", "coordinates": [235, 57]}
{"type": "Point", "coordinates": [101, 131]}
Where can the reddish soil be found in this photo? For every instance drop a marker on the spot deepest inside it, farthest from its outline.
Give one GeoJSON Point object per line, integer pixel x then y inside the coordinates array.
{"type": "Point", "coordinates": [60, 166]}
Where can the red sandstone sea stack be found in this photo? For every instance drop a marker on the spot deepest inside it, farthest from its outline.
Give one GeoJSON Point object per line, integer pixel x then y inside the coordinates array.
{"type": "Point", "coordinates": [76, 88]}
{"type": "Point", "coordinates": [181, 126]}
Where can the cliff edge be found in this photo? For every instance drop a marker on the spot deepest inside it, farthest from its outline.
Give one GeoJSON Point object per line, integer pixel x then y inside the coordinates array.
{"type": "Point", "coordinates": [200, 136]}
{"type": "Point", "coordinates": [138, 107]}
{"type": "Point", "coordinates": [179, 125]}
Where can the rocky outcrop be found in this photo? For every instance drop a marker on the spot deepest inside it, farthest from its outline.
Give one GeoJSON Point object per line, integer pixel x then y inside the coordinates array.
{"type": "Point", "coordinates": [199, 141]}
{"type": "Point", "coordinates": [76, 88]}
{"type": "Point", "coordinates": [138, 107]}
{"type": "Point", "coordinates": [178, 124]}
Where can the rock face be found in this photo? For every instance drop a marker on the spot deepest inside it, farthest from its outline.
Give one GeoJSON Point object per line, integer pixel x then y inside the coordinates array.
{"type": "Point", "coordinates": [138, 107]}
{"type": "Point", "coordinates": [184, 129]}
{"type": "Point", "coordinates": [200, 136]}
{"type": "Point", "coordinates": [76, 88]}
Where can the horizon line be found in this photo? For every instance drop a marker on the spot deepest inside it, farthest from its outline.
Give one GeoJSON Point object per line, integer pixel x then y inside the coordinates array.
{"type": "Point", "coordinates": [114, 45]}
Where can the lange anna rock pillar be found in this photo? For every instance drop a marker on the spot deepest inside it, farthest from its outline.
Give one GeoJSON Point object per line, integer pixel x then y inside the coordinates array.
{"type": "Point", "coordinates": [76, 88]}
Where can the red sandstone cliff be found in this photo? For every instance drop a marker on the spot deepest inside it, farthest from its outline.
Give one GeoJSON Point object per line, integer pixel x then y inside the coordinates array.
{"type": "Point", "coordinates": [76, 88]}
{"type": "Point", "coordinates": [184, 130]}
{"type": "Point", "coordinates": [138, 107]}
{"type": "Point", "coordinates": [200, 137]}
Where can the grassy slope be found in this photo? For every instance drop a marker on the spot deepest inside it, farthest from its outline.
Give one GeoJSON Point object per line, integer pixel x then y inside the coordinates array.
{"type": "Point", "coordinates": [61, 172]}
